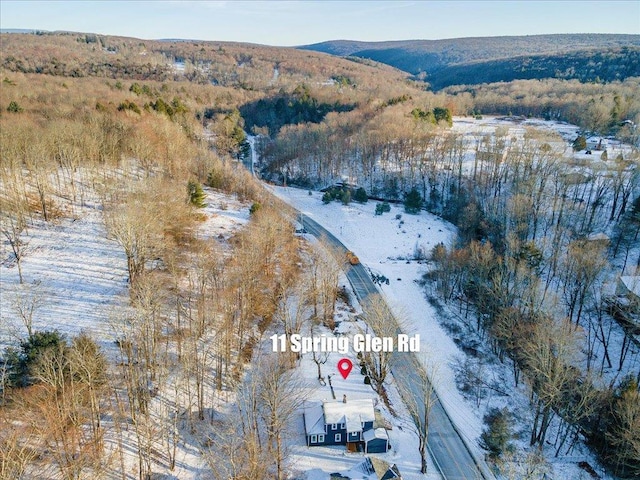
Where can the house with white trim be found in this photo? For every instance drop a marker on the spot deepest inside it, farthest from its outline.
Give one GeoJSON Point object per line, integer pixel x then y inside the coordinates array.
{"type": "Point", "coordinates": [346, 423]}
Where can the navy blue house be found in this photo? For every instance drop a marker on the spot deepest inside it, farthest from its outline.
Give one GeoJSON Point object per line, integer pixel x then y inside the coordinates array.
{"type": "Point", "coordinates": [344, 423]}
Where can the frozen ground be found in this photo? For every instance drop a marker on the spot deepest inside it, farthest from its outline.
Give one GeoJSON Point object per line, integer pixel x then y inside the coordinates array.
{"type": "Point", "coordinates": [77, 277]}
{"type": "Point", "coordinates": [73, 273]}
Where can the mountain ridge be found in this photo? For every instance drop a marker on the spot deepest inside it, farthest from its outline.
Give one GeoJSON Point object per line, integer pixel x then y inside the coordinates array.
{"type": "Point", "coordinates": [441, 60]}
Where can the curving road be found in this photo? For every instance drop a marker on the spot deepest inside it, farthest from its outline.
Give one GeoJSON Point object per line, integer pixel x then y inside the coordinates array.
{"type": "Point", "coordinates": [447, 448]}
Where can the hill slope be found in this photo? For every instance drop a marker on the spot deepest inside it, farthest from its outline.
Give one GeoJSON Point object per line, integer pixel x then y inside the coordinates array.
{"type": "Point", "coordinates": [487, 59]}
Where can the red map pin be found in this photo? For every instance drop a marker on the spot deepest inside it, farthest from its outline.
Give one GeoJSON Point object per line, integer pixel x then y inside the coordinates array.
{"type": "Point", "coordinates": [344, 367]}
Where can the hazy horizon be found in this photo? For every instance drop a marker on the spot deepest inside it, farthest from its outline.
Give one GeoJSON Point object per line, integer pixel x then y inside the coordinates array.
{"type": "Point", "coordinates": [294, 23]}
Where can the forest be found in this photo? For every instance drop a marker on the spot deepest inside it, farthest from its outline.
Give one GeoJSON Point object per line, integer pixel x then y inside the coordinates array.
{"type": "Point", "coordinates": [443, 63]}
{"type": "Point", "coordinates": [133, 131]}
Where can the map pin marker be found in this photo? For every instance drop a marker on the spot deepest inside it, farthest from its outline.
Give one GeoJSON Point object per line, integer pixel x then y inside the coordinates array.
{"type": "Point", "coordinates": [345, 366]}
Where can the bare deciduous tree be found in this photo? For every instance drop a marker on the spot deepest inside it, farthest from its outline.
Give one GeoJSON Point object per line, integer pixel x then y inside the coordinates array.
{"type": "Point", "coordinates": [27, 300]}
{"type": "Point", "coordinates": [419, 397]}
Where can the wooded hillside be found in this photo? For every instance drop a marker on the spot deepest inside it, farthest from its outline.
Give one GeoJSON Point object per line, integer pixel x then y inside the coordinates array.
{"type": "Point", "coordinates": [492, 59]}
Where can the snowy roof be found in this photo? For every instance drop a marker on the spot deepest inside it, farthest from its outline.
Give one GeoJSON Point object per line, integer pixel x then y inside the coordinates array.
{"type": "Point", "coordinates": [313, 419]}
{"type": "Point", "coordinates": [352, 413]}
{"type": "Point", "coordinates": [372, 434]}
{"type": "Point", "coordinates": [376, 468]}
{"type": "Point", "coordinates": [594, 237]}
{"type": "Point", "coordinates": [632, 283]}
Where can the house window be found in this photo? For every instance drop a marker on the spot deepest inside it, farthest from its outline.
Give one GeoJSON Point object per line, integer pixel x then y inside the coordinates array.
{"type": "Point", "coordinates": [342, 426]}
{"type": "Point", "coordinates": [333, 426]}
{"type": "Point", "coordinates": [320, 438]}
{"type": "Point", "coordinates": [338, 437]}
{"type": "Point", "coordinates": [314, 439]}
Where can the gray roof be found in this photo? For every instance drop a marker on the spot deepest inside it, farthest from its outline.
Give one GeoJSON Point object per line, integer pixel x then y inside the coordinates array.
{"type": "Point", "coordinates": [313, 419]}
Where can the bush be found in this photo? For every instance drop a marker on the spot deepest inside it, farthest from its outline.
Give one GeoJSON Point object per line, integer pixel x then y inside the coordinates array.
{"type": "Point", "coordinates": [255, 207]}
{"type": "Point", "coordinates": [367, 381]}
{"type": "Point", "coordinates": [327, 197]}
{"type": "Point", "coordinates": [580, 143]}
{"type": "Point", "coordinates": [14, 107]}
{"type": "Point", "coordinates": [345, 197]}
{"type": "Point", "coordinates": [129, 105]}
{"type": "Point", "coordinates": [382, 207]}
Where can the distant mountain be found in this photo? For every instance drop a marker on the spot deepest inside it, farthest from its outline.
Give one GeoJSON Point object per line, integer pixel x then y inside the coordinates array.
{"type": "Point", "coordinates": [489, 59]}
{"type": "Point", "coordinates": [17, 30]}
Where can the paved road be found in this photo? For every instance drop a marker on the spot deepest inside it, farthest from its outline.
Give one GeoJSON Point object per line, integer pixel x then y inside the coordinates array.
{"type": "Point", "coordinates": [447, 448]}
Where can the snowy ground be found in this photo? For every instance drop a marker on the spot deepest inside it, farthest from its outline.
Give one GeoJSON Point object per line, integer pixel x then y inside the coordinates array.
{"type": "Point", "coordinates": [78, 277]}
{"type": "Point", "coordinates": [73, 273]}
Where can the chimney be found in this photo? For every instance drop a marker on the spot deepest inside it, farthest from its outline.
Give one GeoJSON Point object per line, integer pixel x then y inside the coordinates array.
{"type": "Point", "coordinates": [344, 399]}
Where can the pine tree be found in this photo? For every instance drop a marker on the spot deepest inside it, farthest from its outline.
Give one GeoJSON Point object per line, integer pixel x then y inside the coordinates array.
{"type": "Point", "coordinates": [412, 201]}
{"type": "Point", "coordinates": [196, 195]}
{"type": "Point", "coordinates": [497, 434]}
{"type": "Point", "coordinates": [361, 195]}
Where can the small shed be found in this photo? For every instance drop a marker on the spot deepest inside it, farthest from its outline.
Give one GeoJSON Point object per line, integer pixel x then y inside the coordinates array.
{"type": "Point", "coordinates": [376, 441]}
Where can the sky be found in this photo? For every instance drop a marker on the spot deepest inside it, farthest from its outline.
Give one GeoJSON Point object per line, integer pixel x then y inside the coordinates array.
{"type": "Point", "coordinates": [301, 22]}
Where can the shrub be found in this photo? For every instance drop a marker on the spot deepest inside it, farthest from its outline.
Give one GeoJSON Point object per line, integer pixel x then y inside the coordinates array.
{"type": "Point", "coordinates": [14, 107]}
{"type": "Point", "coordinates": [382, 208]}
{"type": "Point", "coordinates": [255, 207]}
{"type": "Point", "coordinates": [129, 105]}
{"type": "Point", "coordinates": [580, 143]}
{"type": "Point", "coordinates": [345, 197]}
{"type": "Point", "coordinates": [327, 197]}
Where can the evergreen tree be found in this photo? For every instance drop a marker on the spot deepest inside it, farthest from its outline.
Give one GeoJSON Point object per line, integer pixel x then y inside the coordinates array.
{"type": "Point", "coordinates": [196, 195]}
{"type": "Point", "coordinates": [254, 208]}
{"type": "Point", "coordinates": [412, 201]}
{"type": "Point", "coordinates": [361, 195]}
{"type": "Point", "coordinates": [443, 114]}
{"type": "Point", "coordinates": [20, 363]}
{"type": "Point", "coordinates": [497, 434]}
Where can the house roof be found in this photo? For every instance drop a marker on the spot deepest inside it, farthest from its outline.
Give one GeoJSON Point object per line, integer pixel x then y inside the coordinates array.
{"type": "Point", "coordinates": [378, 469]}
{"type": "Point", "coordinates": [353, 413]}
{"type": "Point", "coordinates": [372, 434]}
{"type": "Point", "coordinates": [313, 419]}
